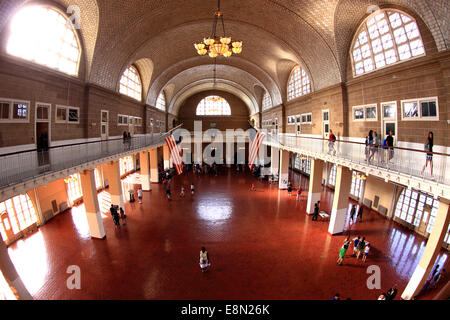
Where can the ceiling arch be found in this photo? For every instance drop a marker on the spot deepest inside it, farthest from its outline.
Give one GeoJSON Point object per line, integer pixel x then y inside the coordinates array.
{"type": "Point", "coordinates": [207, 84]}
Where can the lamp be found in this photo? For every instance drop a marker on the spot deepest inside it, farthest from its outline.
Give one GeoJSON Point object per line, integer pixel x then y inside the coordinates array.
{"type": "Point", "coordinates": [218, 46]}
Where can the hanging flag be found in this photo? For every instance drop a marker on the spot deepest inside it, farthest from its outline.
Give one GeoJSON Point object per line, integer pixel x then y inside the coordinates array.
{"type": "Point", "coordinates": [175, 152]}
{"type": "Point", "coordinates": [255, 140]}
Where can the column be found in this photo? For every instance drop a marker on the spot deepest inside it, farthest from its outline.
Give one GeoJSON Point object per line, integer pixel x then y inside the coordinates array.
{"type": "Point", "coordinates": [90, 200]}
{"type": "Point", "coordinates": [315, 184]}
{"type": "Point", "coordinates": [430, 253]}
{"type": "Point", "coordinates": [112, 171]}
{"type": "Point", "coordinates": [10, 274]}
{"type": "Point", "coordinates": [275, 161]}
{"type": "Point", "coordinates": [283, 178]}
{"type": "Point", "coordinates": [145, 171]}
{"type": "Point", "coordinates": [340, 201]}
{"type": "Point", "coordinates": [166, 154]}
{"type": "Point", "coordinates": [154, 175]}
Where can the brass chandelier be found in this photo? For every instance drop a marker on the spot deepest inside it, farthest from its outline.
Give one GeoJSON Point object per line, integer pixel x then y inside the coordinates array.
{"type": "Point", "coordinates": [215, 46]}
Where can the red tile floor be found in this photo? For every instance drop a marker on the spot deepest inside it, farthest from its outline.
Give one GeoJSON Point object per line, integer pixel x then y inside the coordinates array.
{"type": "Point", "coordinates": [262, 246]}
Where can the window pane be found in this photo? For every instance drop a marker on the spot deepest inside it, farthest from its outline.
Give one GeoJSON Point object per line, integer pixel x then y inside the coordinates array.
{"type": "Point", "coordinates": [20, 111]}
{"type": "Point", "coordinates": [130, 83]}
{"type": "Point", "coordinates": [61, 114]}
{"type": "Point", "coordinates": [358, 113]}
{"type": "Point", "coordinates": [389, 111]}
{"type": "Point", "coordinates": [371, 112]}
{"type": "Point", "coordinates": [215, 105]}
{"type": "Point", "coordinates": [73, 115]}
{"type": "Point", "coordinates": [4, 110]}
{"type": "Point", "coordinates": [410, 110]}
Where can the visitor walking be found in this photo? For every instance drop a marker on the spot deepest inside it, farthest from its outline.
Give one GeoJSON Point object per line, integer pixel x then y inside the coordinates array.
{"type": "Point", "coordinates": [299, 193]}
{"type": "Point", "coordinates": [352, 213]}
{"type": "Point", "coordinates": [182, 192]}
{"type": "Point", "coordinates": [289, 189]}
{"type": "Point", "coordinates": [390, 146]}
{"type": "Point", "coordinates": [343, 251]}
{"type": "Point", "coordinates": [169, 192]}
{"type": "Point", "coordinates": [429, 149]}
{"type": "Point", "coordinates": [366, 252]}
{"type": "Point", "coordinates": [192, 189]}
{"type": "Point", "coordinates": [205, 261]}
{"type": "Point", "coordinates": [355, 245]}
{"type": "Point", "coordinates": [253, 187]}
{"type": "Point", "coordinates": [331, 142]}
{"type": "Point", "coordinates": [361, 246]}
{"type": "Point", "coordinates": [115, 215]}
{"type": "Point", "coordinates": [123, 216]}
{"type": "Point", "coordinates": [375, 146]}
{"type": "Point", "coordinates": [140, 195]}
{"type": "Point", "coordinates": [360, 212]}
{"type": "Point", "coordinates": [369, 142]}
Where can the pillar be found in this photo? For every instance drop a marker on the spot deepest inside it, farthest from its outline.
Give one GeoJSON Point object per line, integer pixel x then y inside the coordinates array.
{"type": "Point", "coordinates": [315, 184]}
{"type": "Point", "coordinates": [434, 245]}
{"type": "Point", "coordinates": [340, 201]}
{"type": "Point", "coordinates": [283, 178]}
{"type": "Point", "coordinates": [10, 274]}
{"type": "Point", "coordinates": [112, 171]}
{"type": "Point", "coordinates": [166, 154]}
{"type": "Point", "coordinates": [145, 171]}
{"type": "Point", "coordinates": [90, 200]}
{"type": "Point", "coordinates": [154, 175]}
{"type": "Point", "coordinates": [275, 161]}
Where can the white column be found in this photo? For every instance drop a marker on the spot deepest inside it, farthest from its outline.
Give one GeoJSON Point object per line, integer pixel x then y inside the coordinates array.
{"type": "Point", "coordinates": [154, 175]}
{"type": "Point", "coordinates": [167, 157]}
{"type": "Point", "coordinates": [315, 184]}
{"type": "Point", "coordinates": [340, 201]}
{"type": "Point", "coordinates": [284, 169]}
{"type": "Point", "coordinates": [112, 171]}
{"type": "Point", "coordinates": [145, 171]}
{"type": "Point", "coordinates": [275, 161]}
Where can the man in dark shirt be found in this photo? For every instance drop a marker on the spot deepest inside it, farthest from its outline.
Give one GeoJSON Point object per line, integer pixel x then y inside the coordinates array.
{"type": "Point", "coordinates": [392, 292]}
{"type": "Point", "coordinates": [390, 144]}
{"type": "Point", "coordinates": [316, 212]}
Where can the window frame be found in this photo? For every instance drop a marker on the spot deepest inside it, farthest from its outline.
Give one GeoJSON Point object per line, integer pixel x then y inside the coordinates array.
{"type": "Point", "coordinates": [212, 115]}
{"type": "Point", "coordinates": [395, 46]}
{"type": "Point", "coordinates": [131, 66]}
{"type": "Point", "coordinates": [11, 103]}
{"type": "Point", "coordinates": [267, 102]}
{"type": "Point", "coordinates": [67, 108]}
{"type": "Point", "coordinates": [419, 103]}
{"type": "Point", "coordinates": [364, 108]}
{"type": "Point", "coordinates": [306, 115]}
{"type": "Point", "coordinates": [49, 114]}
{"type": "Point", "coordinates": [301, 86]}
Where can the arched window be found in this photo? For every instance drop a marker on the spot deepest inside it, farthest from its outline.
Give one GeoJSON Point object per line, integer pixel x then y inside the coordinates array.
{"type": "Point", "coordinates": [267, 101]}
{"type": "Point", "coordinates": [161, 102]}
{"type": "Point", "coordinates": [385, 38]}
{"type": "Point", "coordinates": [130, 83]}
{"type": "Point", "coordinates": [299, 83]}
{"type": "Point", "coordinates": [20, 215]}
{"type": "Point", "coordinates": [43, 35]}
{"type": "Point", "coordinates": [213, 106]}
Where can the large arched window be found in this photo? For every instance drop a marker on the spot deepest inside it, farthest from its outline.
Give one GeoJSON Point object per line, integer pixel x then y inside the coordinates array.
{"type": "Point", "coordinates": [299, 83]}
{"type": "Point", "coordinates": [43, 35]}
{"type": "Point", "coordinates": [267, 101]}
{"type": "Point", "coordinates": [386, 37]}
{"type": "Point", "coordinates": [17, 214]}
{"type": "Point", "coordinates": [213, 106]}
{"type": "Point", "coordinates": [131, 84]}
{"type": "Point", "coordinates": [161, 102]}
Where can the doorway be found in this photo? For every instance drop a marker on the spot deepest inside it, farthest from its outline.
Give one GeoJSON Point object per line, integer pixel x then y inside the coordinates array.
{"type": "Point", "coordinates": [325, 124]}
{"type": "Point", "coordinates": [424, 222]}
{"type": "Point", "coordinates": [104, 125]}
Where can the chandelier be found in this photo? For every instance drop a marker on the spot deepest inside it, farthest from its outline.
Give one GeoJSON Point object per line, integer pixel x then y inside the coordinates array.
{"type": "Point", "coordinates": [215, 46]}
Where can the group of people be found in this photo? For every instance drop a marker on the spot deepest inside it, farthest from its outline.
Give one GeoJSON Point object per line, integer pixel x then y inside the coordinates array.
{"type": "Point", "coordinates": [126, 138]}
{"type": "Point", "coordinates": [118, 214]}
{"type": "Point", "coordinates": [360, 247]}
{"type": "Point", "coordinates": [353, 212]}
{"type": "Point", "coordinates": [374, 147]}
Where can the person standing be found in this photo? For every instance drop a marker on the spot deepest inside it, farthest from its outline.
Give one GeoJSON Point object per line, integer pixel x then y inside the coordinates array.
{"type": "Point", "coordinates": [205, 262]}
{"type": "Point", "coordinates": [366, 252]}
{"type": "Point", "coordinates": [429, 149]}
{"type": "Point", "coordinates": [316, 212]}
{"type": "Point", "coordinates": [352, 212]}
{"type": "Point", "coordinates": [115, 215]}
{"type": "Point", "coordinates": [382, 296]}
{"type": "Point", "coordinates": [331, 142]}
{"type": "Point", "coordinates": [289, 189]}
{"type": "Point", "coordinates": [355, 245]}
{"type": "Point", "coordinates": [182, 192]}
{"type": "Point", "coordinates": [299, 193]}
{"type": "Point", "coordinates": [168, 192]}
{"type": "Point", "coordinates": [391, 293]}
{"type": "Point", "coordinates": [123, 216]}
{"type": "Point", "coordinates": [375, 146]}
{"type": "Point", "coordinates": [140, 195]}
{"type": "Point", "coordinates": [390, 146]}
{"type": "Point", "coordinates": [369, 142]}
{"type": "Point", "coordinates": [192, 189]}
{"type": "Point", "coordinates": [360, 212]}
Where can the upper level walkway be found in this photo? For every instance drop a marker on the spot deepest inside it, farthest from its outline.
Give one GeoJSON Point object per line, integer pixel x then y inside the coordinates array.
{"type": "Point", "coordinates": [22, 171]}
{"type": "Point", "coordinates": [404, 167]}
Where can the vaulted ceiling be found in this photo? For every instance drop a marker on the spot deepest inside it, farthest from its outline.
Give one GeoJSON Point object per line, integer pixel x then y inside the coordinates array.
{"type": "Point", "coordinates": [158, 36]}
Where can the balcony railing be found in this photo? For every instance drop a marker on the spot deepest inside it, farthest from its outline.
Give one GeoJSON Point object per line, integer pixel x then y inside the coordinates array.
{"type": "Point", "coordinates": [22, 166]}
{"type": "Point", "coordinates": [398, 160]}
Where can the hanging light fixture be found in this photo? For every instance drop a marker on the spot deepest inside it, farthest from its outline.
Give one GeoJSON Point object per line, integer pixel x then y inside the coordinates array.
{"type": "Point", "coordinates": [216, 46]}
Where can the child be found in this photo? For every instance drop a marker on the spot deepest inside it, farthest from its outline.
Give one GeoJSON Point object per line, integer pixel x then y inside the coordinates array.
{"type": "Point", "coordinates": [182, 192]}
{"type": "Point", "coordinates": [355, 245]}
{"type": "Point", "coordinates": [361, 246]}
{"type": "Point", "coordinates": [366, 252]}
{"type": "Point", "coordinates": [192, 188]}
{"type": "Point", "coordinates": [253, 188]}
{"type": "Point", "coordinates": [140, 195]}
{"type": "Point", "coordinates": [123, 216]}
{"type": "Point", "coordinates": [299, 193]}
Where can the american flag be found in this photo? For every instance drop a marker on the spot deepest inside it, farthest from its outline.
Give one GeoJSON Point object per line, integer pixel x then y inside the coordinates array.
{"type": "Point", "coordinates": [256, 139]}
{"type": "Point", "coordinates": [175, 152]}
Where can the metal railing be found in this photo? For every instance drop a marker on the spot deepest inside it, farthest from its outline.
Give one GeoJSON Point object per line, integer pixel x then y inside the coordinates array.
{"type": "Point", "coordinates": [398, 160]}
{"type": "Point", "coordinates": [22, 166]}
